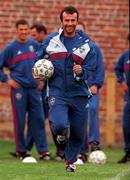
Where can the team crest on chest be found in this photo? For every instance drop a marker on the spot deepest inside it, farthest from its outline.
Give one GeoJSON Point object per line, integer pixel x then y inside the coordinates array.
{"type": "Point", "coordinates": [81, 49]}
{"type": "Point", "coordinates": [31, 48]}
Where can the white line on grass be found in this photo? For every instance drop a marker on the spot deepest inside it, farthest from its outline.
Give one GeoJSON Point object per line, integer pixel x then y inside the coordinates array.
{"type": "Point", "coordinates": [121, 174]}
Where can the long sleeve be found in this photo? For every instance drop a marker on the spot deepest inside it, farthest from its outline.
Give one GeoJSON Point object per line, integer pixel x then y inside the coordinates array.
{"type": "Point", "coordinates": [4, 56]}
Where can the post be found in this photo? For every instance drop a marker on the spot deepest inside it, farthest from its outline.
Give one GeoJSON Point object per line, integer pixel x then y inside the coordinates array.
{"type": "Point", "coordinates": [110, 112]}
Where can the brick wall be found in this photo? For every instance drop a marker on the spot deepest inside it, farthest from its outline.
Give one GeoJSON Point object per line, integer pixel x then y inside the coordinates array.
{"type": "Point", "coordinates": [106, 22]}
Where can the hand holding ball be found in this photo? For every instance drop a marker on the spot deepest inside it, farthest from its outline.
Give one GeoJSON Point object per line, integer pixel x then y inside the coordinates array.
{"type": "Point", "coordinates": [43, 69]}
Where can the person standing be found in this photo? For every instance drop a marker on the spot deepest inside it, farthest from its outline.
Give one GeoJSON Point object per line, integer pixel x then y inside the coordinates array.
{"type": "Point", "coordinates": [38, 32]}
{"type": "Point", "coordinates": [74, 59]}
{"type": "Point", "coordinates": [18, 56]}
{"type": "Point", "coordinates": [92, 138]}
{"type": "Point", "coordinates": [122, 71]}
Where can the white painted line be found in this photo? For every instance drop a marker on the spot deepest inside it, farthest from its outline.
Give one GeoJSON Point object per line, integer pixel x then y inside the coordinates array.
{"type": "Point", "coordinates": [120, 175]}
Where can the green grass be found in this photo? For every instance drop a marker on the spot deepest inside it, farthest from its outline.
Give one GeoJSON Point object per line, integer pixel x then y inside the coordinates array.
{"type": "Point", "coordinates": [13, 169]}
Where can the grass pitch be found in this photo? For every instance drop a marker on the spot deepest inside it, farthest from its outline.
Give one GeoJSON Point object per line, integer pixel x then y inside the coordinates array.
{"type": "Point", "coordinates": [13, 169]}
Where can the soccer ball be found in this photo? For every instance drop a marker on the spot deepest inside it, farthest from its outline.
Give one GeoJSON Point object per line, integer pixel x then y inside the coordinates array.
{"type": "Point", "coordinates": [29, 160]}
{"type": "Point", "coordinates": [97, 157]}
{"type": "Point", "coordinates": [43, 69]}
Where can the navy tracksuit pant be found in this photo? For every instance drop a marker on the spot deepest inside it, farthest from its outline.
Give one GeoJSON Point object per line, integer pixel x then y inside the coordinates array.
{"type": "Point", "coordinates": [92, 123]}
{"type": "Point", "coordinates": [28, 100]}
{"type": "Point", "coordinates": [69, 113]}
{"type": "Point", "coordinates": [29, 138]}
{"type": "Point", "coordinates": [126, 123]}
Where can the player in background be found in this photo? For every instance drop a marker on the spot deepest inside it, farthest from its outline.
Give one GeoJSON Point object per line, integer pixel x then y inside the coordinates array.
{"type": "Point", "coordinates": [38, 32]}
{"type": "Point", "coordinates": [92, 138]}
{"type": "Point", "coordinates": [18, 56]}
{"type": "Point", "coordinates": [73, 57]}
{"type": "Point", "coordinates": [122, 71]}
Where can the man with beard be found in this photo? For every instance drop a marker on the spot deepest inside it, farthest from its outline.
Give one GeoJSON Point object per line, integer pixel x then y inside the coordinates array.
{"type": "Point", "coordinates": [73, 57]}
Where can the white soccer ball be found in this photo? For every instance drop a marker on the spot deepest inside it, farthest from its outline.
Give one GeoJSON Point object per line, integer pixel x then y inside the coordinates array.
{"type": "Point", "coordinates": [29, 160]}
{"type": "Point", "coordinates": [97, 157]}
{"type": "Point", "coordinates": [43, 69]}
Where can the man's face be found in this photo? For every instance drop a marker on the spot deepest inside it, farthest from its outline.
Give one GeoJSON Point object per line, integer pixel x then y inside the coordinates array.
{"type": "Point", "coordinates": [22, 32]}
{"type": "Point", "coordinates": [37, 36]}
{"type": "Point", "coordinates": [34, 34]}
{"type": "Point", "coordinates": [69, 23]}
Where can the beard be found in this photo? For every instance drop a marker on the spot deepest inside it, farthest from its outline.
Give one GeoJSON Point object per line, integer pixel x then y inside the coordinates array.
{"type": "Point", "coordinates": [69, 30]}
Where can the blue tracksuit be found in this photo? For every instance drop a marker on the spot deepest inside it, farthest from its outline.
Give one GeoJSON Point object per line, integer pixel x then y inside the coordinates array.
{"type": "Point", "coordinates": [68, 93]}
{"type": "Point", "coordinates": [29, 139]}
{"type": "Point", "coordinates": [97, 79]}
{"type": "Point", "coordinates": [19, 59]}
{"type": "Point", "coordinates": [122, 70]}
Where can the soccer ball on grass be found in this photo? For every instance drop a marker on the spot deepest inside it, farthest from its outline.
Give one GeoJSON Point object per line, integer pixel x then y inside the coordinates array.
{"type": "Point", "coordinates": [29, 160]}
{"type": "Point", "coordinates": [43, 69]}
{"type": "Point", "coordinates": [97, 157]}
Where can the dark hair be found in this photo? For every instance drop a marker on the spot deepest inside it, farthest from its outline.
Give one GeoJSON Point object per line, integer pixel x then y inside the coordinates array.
{"type": "Point", "coordinates": [21, 21]}
{"type": "Point", "coordinates": [40, 28]}
{"type": "Point", "coordinates": [69, 10]}
{"type": "Point", "coordinates": [128, 37]}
